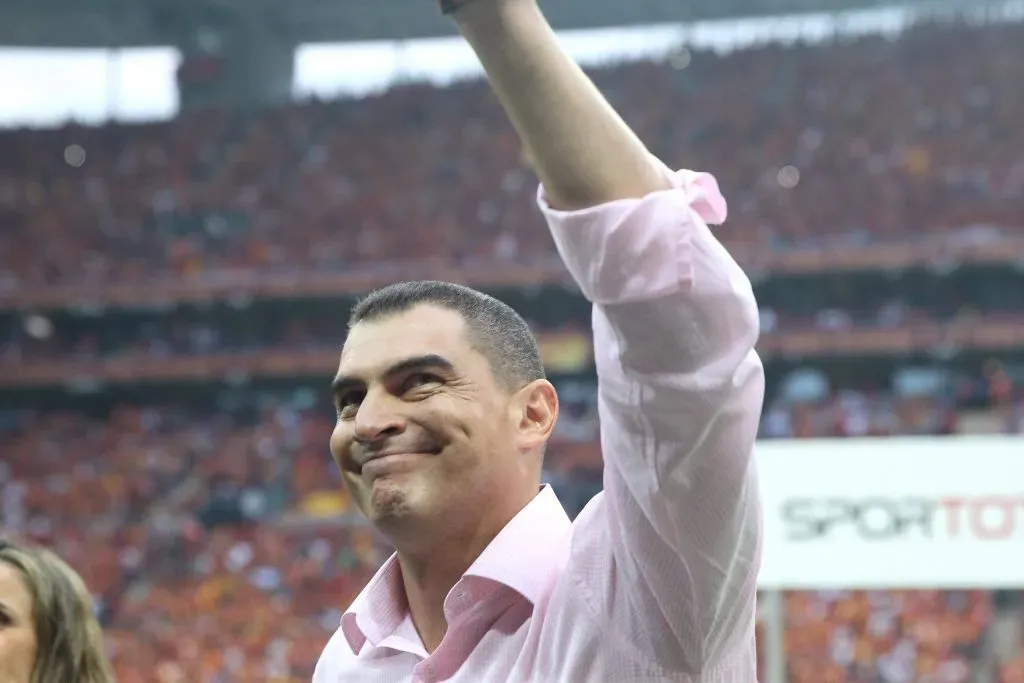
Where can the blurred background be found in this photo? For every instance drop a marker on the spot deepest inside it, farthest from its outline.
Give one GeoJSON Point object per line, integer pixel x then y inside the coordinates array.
{"type": "Point", "coordinates": [193, 193]}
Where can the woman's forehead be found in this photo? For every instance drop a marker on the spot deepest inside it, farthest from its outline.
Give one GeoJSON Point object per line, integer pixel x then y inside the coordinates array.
{"type": "Point", "coordinates": [14, 592]}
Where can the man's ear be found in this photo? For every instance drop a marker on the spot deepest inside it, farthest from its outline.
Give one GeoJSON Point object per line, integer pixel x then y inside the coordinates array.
{"type": "Point", "coordinates": [535, 412]}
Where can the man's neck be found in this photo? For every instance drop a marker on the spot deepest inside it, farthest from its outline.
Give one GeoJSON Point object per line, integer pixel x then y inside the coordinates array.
{"type": "Point", "coordinates": [428, 579]}
{"type": "Point", "coordinates": [430, 570]}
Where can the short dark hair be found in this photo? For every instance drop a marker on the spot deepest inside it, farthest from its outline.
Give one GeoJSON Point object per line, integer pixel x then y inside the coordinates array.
{"type": "Point", "coordinates": [494, 328]}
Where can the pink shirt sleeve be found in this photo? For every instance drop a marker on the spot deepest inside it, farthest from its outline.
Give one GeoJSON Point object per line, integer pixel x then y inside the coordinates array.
{"type": "Point", "coordinates": [668, 555]}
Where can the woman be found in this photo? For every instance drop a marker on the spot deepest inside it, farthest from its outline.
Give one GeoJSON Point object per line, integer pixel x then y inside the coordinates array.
{"type": "Point", "coordinates": [48, 632]}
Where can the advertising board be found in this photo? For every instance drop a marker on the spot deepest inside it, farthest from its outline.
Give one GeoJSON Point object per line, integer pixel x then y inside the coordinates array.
{"type": "Point", "coordinates": [887, 513]}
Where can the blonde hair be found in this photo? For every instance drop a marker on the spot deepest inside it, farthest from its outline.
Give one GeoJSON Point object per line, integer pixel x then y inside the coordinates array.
{"type": "Point", "coordinates": [69, 642]}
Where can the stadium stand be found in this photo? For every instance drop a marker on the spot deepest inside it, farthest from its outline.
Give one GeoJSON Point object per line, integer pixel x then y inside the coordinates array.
{"type": "Point", "coordinates": [890, 139]}
{"type": "Point", "coordinates": [175, 452]}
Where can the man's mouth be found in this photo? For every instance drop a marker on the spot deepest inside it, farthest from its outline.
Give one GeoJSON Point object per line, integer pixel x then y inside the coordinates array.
{"type": "Point", "coordinates": [395, 455]}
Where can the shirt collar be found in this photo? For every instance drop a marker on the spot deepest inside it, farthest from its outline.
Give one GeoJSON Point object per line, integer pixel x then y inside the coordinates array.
{"type": "Point", "coordinates": [532, 537]}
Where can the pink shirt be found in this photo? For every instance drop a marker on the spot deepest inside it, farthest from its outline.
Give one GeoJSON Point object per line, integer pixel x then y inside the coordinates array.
{"type": "Point", "coordinates": [656, 578]}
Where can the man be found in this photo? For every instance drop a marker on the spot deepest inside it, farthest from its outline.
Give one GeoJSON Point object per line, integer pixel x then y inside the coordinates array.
{"type": "Point", "coordinates": [443, 415]}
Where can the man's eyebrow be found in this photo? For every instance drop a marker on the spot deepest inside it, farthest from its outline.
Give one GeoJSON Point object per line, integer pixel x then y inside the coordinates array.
{"type": "Point", "coordinates": [431, 361]}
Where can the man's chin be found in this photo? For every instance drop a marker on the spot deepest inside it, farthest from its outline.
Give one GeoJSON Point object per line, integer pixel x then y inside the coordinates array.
{"type": "Point", "coordinates": [389, 500]}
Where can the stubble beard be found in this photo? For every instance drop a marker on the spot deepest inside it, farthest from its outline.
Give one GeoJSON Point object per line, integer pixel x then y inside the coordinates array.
{"type": "Point", "coordinates": [389, 502]}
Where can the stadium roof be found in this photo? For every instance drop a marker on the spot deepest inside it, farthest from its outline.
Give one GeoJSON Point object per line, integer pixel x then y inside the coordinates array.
{"type": "Point", "coordinates": [125, 23]}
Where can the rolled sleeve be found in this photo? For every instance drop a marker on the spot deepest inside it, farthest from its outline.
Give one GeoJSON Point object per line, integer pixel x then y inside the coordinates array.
{"type": "Point", "coordinates": [668, 553]}
{"type": "Point", "coordinates": [626, 250]}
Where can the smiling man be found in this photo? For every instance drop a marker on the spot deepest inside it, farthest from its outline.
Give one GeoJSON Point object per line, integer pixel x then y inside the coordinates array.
{"type": "Point", "coordinates": [444, 413]}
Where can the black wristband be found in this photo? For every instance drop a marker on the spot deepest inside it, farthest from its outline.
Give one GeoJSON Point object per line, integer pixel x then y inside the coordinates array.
{"type": "Point", "coordinates": [449, 6]}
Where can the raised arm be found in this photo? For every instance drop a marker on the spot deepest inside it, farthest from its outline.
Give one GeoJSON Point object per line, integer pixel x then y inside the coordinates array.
{"type": "Point", "coordinates": [667, 556]}
{"type": "Point", "coordinates": [582, 150]}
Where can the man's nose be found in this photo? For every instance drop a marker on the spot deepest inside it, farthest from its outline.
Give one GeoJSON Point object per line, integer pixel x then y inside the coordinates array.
{"type": "Point", "coordinates": [378, 417]}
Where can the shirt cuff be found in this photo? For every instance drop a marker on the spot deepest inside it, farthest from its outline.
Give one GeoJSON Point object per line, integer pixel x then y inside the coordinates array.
{"type": "Point", "coordinates": [633, 250]}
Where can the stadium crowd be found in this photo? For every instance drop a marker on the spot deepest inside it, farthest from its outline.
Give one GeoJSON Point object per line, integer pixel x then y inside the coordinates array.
{"type": "Point", "coordinates": [216, 547]}
{"type": "Point", "coordinates": [807, 403]}
{"type": "Point", "coordinates": [219, 542]}
{"type": "Point", "coordinates": [873, 139]}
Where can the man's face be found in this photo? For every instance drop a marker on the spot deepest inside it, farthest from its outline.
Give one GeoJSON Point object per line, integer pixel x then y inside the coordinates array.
{"type": "Point", "coordinates": [17, 629]}
{"type": "Point", "coordinates": [424, 430]}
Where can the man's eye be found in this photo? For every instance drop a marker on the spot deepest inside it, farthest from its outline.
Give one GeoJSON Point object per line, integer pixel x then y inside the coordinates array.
{"type": "Point", "coordinates": [419, 379]}
{"type": "Point", "coordinates": [348, 401]}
